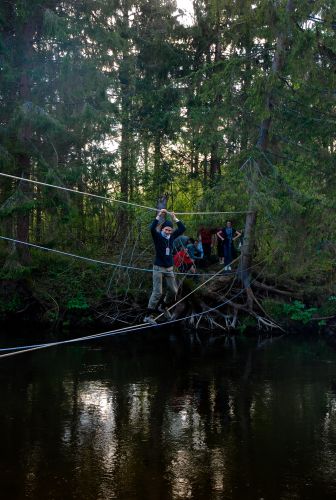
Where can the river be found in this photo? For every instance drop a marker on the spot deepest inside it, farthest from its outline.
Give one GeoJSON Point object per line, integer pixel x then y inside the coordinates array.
{"type": "Point", "coordinates": [156, 417]}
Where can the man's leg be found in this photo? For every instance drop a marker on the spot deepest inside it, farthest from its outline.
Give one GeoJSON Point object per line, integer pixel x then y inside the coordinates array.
{"type": "Point", "coordinates": [171, 286]}
{"type": "Point", "coordinates": [157, 289]}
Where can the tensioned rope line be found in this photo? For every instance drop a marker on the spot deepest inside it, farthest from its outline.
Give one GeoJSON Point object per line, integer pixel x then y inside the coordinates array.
{"type": "Point", "coordinates": [94, 261]}
{"type": "Point", "coordinates": [98, 335]}
{"type": "Point", "coordinates": [143, 326]}
{"type": "Point", "coordinates": [114, 200]}
{"type": "Point", "coordinates": [24, 349]}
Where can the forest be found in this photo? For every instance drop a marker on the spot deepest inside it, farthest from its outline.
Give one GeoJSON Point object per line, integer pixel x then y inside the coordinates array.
{"type": "Point", "coordinates": [125, 104]}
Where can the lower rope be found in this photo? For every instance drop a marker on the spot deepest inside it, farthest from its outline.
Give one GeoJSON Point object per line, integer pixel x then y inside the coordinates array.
{"type": "Point", "coordinates": [128, 329]}
{"type": "Point", "coordinates": [93, 261]}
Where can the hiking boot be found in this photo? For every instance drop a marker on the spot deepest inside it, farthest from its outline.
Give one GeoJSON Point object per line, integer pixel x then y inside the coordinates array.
{"type": "Point", "coordinates": [150, 319]}
{"type": "Point", "coordinates": [163, 309]}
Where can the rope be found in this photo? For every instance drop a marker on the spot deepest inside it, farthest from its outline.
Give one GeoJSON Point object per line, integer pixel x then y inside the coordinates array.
{"type": "Point", "coordinates": [94, 261]}
{"type": "Point", "coordinates": [113, 200]}
{"type": "Point", "coordinates": [129, 329]}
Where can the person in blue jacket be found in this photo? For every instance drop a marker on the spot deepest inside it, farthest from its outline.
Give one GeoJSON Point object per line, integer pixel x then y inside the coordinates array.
{"type": "Point", "coordinates": [163, 264]}
{"type": "Point", "coordinates": [227, 235]}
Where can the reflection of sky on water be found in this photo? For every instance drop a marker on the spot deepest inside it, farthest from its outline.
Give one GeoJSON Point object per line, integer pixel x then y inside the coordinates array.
{"type": "Point", "coordinates": [101, 432]}
{"type": "Point", "coordinates": [184, 431]}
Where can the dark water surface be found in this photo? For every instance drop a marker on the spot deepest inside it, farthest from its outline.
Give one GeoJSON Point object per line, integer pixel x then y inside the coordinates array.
{"type": "Point", "coordinates": [152, 420]}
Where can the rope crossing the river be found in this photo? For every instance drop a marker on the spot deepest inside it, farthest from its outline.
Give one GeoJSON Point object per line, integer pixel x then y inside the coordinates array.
{"type": "Point", "coordinates": [113, 200]}
{"type": "Point", "coordinates": [128, 329]}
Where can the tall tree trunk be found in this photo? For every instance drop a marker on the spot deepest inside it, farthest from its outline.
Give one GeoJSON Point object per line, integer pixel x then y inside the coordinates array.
{"type": "Point", "coordinates": [125, 85]}
{"type": "Point", "coordinates": [214, 155]}
{"type": "Point", "coordinates": [25, 136]}
{"type": "Point", "coordinates": [125, 153]}
{"type": "Point", "coordinates": [157, 165]}
{"type": "Point", "coordinates": [125, 150]}
{"type": "Point", "coordinates": [214, 161]}
{"type": "Point", "coordinates": [250, 222]}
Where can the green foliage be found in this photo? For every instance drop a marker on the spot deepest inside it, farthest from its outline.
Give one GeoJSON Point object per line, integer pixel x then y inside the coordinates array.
{"type": "Point", "coordinates": [297, 311]}
{"type": "Point", "coordinates": [78, 302]}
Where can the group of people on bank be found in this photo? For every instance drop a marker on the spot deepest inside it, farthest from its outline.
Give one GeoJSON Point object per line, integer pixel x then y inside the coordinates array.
{"type": "Point", "coordinates": [172, 248]}
{"type": "Point", "coordinates": [190, 253]}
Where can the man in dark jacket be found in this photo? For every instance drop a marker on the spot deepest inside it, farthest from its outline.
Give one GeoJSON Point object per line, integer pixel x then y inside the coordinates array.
{"type": "Point", "coordinates": [163, 263]}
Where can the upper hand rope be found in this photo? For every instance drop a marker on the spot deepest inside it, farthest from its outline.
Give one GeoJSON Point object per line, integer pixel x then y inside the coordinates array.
{"type": "Point", "coordinates": [113, 200]}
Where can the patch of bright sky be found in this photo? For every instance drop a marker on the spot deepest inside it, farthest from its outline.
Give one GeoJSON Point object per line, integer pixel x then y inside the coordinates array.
{"type": "Point", "coordinates": [187, 6]}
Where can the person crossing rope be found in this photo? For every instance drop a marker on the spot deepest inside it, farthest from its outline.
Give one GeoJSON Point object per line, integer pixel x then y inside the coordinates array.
{"type": "Point", "coordinates": [163, 264]}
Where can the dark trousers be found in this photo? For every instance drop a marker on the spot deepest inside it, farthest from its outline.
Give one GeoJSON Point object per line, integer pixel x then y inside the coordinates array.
{"type": "Point", "coordinates": [207, 250]}
{"type": "Point", "coordinates": [227, 247]}
{"type": "Point", "coordinates": [220, 249]}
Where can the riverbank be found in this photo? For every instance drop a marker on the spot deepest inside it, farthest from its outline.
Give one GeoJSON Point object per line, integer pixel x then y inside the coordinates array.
{"type": "Point", "coordinates": [59, 294]}
{"type": "Point", "coordinates": [22, 302]}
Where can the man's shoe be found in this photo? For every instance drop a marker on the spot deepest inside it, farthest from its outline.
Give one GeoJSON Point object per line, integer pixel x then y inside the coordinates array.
{"type": "Point", "coordinates": [163, 309]}
{"type": "Point", "coordinates": [150, 319]}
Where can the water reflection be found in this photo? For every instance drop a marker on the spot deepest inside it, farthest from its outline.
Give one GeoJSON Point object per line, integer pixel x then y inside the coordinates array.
{"type": "Point", "coordinates": [118, 423]}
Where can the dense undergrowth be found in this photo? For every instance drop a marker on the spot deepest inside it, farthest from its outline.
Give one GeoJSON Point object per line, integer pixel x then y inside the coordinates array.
{"type": "Point", "coordinates": [61, 292]}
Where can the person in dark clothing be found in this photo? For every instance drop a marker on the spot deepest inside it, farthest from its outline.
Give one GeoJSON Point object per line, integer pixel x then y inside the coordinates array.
{"type": "Point", "coordinates": [163, 263]}
{"type": "Point", "coordinates": [205, 238]}
{"type": "Point", "coordinates": [227, 235]}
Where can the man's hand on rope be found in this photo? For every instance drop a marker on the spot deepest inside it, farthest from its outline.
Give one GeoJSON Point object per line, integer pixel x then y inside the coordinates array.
{"type": "Point", "coordinates": [163, 213]}
{"type": "Point", "coordinates": [173, 216]}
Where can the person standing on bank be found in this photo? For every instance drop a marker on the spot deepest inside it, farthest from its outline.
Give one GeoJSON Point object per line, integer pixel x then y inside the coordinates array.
{"type": "Point", "coordinates": [227, 235]}
{"type": "Point", "coordinates": [163, 263]}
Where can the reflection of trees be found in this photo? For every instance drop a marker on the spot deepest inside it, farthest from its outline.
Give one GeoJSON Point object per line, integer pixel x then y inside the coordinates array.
{"type": "Point", "coordinates": [328, 458]}
{"type": "Point", "coordinates": [91, 425]}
